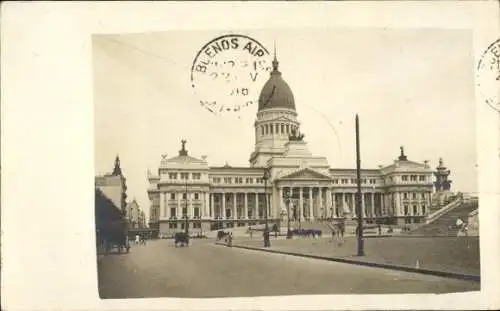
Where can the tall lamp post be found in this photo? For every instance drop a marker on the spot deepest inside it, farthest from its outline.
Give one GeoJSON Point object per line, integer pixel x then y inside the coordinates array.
{"type": "Point", "coordinates": [186, 225]}
{"type": "Point", "coordinates": [361, 251]}
{"type": "Point", "coordinates": [267, 242]}
{"type": "Point", "coordinates": [288, 200]}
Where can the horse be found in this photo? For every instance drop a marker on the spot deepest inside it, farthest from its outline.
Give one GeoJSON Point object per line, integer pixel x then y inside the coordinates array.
{"type": "Point", "coordinates": [182, 238]}
{"type": "Point", "coordinates": [221, 235]}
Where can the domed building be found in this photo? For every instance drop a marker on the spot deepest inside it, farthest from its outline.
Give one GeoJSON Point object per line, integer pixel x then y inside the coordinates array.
{"type": "Point", "coordinates": [284, 176]}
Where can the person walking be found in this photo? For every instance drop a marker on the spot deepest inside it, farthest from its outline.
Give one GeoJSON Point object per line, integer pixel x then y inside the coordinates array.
{"type": "Point", "coordinates": [459, 224]}
{"type": "Point", "coordinates": [340, 233]}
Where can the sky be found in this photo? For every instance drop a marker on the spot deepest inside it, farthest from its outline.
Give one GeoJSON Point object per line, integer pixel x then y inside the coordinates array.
{"type": "Point", "coordinates": [410, 87]}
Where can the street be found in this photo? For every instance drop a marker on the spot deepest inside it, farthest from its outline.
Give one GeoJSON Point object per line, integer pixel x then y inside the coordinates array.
{"type": "Point", "coordinates": [205, 270]}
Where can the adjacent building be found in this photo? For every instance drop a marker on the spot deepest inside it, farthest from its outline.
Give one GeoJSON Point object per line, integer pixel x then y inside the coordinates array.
{"type": "Point", "coordinates": [114, 186]}
{"type": "Point", "coordinates": [135, 215]}
{"type": "Point", "coordinates": [284, 177]}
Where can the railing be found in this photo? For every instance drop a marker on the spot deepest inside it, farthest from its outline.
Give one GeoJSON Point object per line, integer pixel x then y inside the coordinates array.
{"type": "Point", "coordinates": [432, 217]}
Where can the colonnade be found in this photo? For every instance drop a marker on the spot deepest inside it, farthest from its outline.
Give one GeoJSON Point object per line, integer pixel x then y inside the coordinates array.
{"type": "Point", "coordinates": [302, 203]}
{"type": "Point", "coordinates": [325, 202]}
{"type": "Point", "coordinates": [251, 205]}
{"type": "Point", "coordinates": [179, 203]}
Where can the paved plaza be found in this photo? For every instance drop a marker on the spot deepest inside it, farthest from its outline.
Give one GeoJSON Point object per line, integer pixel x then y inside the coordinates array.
{"type": "Point", "coordinates": [448, 254]}
{"type": "Point", "coordinates": [205, 270]}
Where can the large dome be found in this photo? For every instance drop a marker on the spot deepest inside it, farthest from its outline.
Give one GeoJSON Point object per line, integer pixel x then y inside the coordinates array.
{"type": "Point", "coordinates": [276, 93]}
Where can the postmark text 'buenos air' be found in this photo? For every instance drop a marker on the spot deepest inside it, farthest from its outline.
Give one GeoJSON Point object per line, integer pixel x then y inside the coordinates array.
{"type": "Point", "coordinates": [228, 73]}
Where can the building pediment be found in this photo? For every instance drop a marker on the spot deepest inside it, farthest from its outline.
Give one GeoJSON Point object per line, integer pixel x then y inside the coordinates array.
{"type": "Point", "coordinates": [402, 166]}
{"type": "Point", "coordinates": [282, 119]}
{"type": "Point", "coordinates": [305, 174]}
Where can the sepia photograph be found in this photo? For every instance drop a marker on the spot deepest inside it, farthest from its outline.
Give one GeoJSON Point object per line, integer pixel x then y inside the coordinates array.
{"type": "Point", "coordinates": [285, 162]}
{"type": "Point", "coordinates": [250, 155]}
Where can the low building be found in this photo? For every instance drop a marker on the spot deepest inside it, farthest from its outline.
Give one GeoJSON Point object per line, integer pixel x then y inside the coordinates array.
{"type": "Point", "coordinates": [135, 215]}
{"type": "Point", "coordinates": [113, 186]}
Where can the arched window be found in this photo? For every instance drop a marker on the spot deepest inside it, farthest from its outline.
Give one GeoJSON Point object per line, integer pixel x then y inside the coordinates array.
{"type": "Point", "coordinates": [288, 129]}
{"type": "Point", "coordinates": [262, 129]}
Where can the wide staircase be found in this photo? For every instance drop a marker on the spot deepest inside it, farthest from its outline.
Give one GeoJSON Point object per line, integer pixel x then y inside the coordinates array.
{"type": "Point", "coordinates": [445, 225]}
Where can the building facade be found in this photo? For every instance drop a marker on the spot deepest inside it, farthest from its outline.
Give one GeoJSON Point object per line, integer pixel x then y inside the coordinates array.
{"type": "Point", "coordinates": [114, 186]}
{"type": "Point", "coordinates": [186, 191]}
{"type": "Point", "coordinates": [135, 215]}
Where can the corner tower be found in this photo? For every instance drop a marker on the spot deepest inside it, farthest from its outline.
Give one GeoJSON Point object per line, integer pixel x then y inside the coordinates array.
{"type": "Point", "coordinates": [276, 118]}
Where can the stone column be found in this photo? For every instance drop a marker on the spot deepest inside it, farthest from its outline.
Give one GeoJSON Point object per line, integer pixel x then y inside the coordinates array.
{"type": "Point", "coordinates": [363, 204]}
{"type": "Point", "coordinates": [398, 204]}
{"type": "Point", "coordinates": [282, 202]}
{"type": "Point", "coordinates": [179, 207]}
{"type": "Point", "coordinates": [190, 205]}
{"type": "Point", "coordinates": [381, 201]}
{"type": "Point", "coordinates": [245, 208]}
{"type": "Point", "coordinates": [223, 214]}
{"type": "Point", "coordinates": [162, 205]}
{"type": "Point", "coordinates": [301, 204]}
{"type": "Point", "coordinates": [256, 212]}
{"type": "Point", "coordinates": [373, 204]}
{"type": "Point", "coordinates": [317, 212]}
{"type": "Point", "coordinates": [342, 203]}
{"type": "Point", "coordinates": [235, 209]}
{"type": "Point", "coordinates": [271, 207]}
{"type": "Point", "coordinates": [207, 205]}
{"type": "Point", "coordinates": [211, 195]}
{"type": "Point", "coordinates": [166, 211]}
{"type": "Point", "coordinates": [311, 217]}
{"type": "Point", "coordinates": [352, 201]}
{"type": "Point", "coordinates": [166, 205]}
{"type": "Point", "coordinates": [329, 203]}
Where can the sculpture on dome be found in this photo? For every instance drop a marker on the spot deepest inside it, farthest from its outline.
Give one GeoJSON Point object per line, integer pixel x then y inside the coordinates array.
{"type": "Point", "coordinates": [402, 156]}
{"type": "Point", "coordinates": [183, 151]}
{"type": "Point", "coordinates": [296, 135]}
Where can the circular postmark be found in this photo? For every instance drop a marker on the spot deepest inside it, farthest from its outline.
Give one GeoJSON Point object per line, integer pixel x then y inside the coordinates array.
{"type": "Point", "coordinates": [228, 73]}
{"type": "Point", "coordinates": [488, 75]}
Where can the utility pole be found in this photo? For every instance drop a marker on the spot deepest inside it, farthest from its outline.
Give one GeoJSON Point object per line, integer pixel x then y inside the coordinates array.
{"type": "Point", "coordinates": [361, 250]}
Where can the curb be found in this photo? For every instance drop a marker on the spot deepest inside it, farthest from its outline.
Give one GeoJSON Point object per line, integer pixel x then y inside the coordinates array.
{"type": "Point", "coordinates": [459, 276]}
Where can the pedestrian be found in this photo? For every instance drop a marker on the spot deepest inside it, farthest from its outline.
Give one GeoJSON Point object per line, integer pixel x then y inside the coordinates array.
{"type": "Point", "coordinates": [340, 233]}
{"type": "Point", "coordinates": [459, 223]}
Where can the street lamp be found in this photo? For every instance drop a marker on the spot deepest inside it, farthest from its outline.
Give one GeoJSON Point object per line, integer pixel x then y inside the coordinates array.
{"type": "Point", "coordinates": [361, 250]}
{"type": "Point", "coordinates": [288, 200]}
{"type": "Point", "coordinates": [186, 226]}
{"type": "Point", "coordinates": [267, 242]}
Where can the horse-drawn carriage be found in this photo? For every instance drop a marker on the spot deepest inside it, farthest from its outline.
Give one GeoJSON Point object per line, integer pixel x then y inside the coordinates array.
{"type": "Point", "coordinates": [221, 234]}
{"type": "Point", "coordinates": [181, 238]}
{"type": "Point", "coordinates": [114, 237]}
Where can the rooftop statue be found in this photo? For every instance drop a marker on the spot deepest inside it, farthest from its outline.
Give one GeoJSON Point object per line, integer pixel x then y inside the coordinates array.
{"type": "Point", "coordinates": [295, 136]}
{"type": "Point", "coordinates": [183, 151]}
